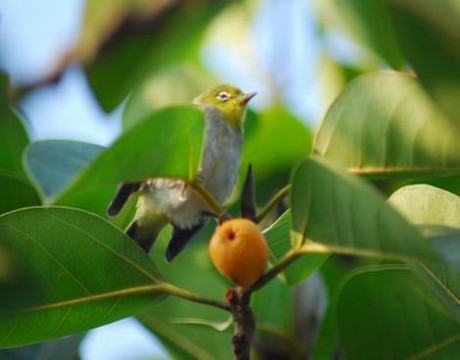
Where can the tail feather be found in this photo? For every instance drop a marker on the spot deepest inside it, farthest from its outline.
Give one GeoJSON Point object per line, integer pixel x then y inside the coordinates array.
{"type": "Point", "coordinates": [179, 239]}
{"type": "Point", "coordinates": [121, 197]}
{"type": "Point", "coordinates": [143, 237]}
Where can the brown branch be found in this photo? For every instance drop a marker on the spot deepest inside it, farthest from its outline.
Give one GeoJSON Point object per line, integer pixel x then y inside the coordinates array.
{"type": "Point", "coordinates": [243, 317]}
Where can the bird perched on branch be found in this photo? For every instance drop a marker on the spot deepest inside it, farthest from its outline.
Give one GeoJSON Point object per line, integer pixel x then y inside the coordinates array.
{"type": "Point", "coordinates": [162, 201]}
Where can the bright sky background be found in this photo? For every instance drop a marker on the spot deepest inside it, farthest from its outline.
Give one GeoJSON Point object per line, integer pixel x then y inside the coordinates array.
{"type": "Point", "coordinates": [33, 32]}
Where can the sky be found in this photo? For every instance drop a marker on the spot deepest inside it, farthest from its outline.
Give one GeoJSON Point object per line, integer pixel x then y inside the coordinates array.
{"type": "Point", "coordinates": [32, 35]}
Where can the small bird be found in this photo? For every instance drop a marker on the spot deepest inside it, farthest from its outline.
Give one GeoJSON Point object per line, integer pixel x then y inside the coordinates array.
{"type": "Point", "coordinates": [162, 201]}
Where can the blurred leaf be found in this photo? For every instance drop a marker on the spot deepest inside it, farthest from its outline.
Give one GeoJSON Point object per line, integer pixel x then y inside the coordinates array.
{"type": "Point", "coordinates": [439, 212]}
{"type": "Point", "coordinates": [135, 39]}
{"type": "Point", "coordinates": [286, 138]}
{"type": "Point", "coordinates": [278, 238]}
{"type": "Point", "coordinates": [89, 272]}
{"type": "Point", "coordinates": [344, 214]}
{"type": "Point", "coordinates": [274, 336]}
{"type": "Point", "coordinates": [52, 164]}
{"type": "Point", "coordinates": [369, 23]}
{"type": "Point", "coordinates": [274, 141]}
{"type": "Point", "coordinates": [15, 193]}
{"type": "Point", "coordinates": [384, 124]}
{"type": "Point", "coordinates": [166, 143]}
{"type": "Point", "coordinates": [426, 204]}
{"type": "Point", "coordinates": [63, 349]}
{"type": "Point", "coordinates": [170, 86]}
{"type": "Point", "coordinates": [387, 313]}
{"type": "Point", "coordinates": [191, 270]}
{"type": "Point", "coordinates": [66, 348]}
{"type": "Point", "coordinates": [429, 33]}
{"type": "Point", "coordinates": [13, 136]}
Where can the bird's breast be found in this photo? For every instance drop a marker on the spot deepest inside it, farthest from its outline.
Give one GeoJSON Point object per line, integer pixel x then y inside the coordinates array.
{"type": "Point", "coordinates": [221, 157]}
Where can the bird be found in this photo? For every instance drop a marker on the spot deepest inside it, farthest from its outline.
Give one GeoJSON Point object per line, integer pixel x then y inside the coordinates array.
{"type": "Point", "coordinates": [164, 200]}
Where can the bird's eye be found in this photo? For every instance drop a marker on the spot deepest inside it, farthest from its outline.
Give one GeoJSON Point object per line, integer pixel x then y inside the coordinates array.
{"type": "Point", "coordinates": [223, 96]}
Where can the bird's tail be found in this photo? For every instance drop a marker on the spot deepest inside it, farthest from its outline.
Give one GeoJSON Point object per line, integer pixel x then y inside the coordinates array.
{"type": "Point", "coordinates": [121, 197]}
{"type": "Point", "coordinates": [144, 236]}
{"type": "Point", "coordinates": [180, 238]}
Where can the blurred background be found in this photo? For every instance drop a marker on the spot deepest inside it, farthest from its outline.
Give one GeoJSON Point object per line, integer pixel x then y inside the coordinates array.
{"type": "Point", "coordinates": [86, 70]}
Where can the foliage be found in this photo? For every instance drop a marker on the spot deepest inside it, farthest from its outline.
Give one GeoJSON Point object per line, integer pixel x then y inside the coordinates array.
{"type": "Point", "coordinates": [390, 267]}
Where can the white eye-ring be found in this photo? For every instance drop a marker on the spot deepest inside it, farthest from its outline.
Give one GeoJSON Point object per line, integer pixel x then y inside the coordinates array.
{"type": "Point", "coordinates": [223, 96]}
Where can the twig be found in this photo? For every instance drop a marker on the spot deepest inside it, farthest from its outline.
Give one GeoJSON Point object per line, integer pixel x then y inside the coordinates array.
{"type": "Point", "coordinates": [220, 212]}
{"type": "Point", "coordinates": [275, 200]}
{"type": "Point", "coordinates": [187, 295]}
{"type": "Point", "coordinates": [276, 269]}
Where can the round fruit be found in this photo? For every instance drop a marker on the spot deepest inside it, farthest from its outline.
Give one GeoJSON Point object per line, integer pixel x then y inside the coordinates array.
{"type": "Point", "coordinates": [239, 251]}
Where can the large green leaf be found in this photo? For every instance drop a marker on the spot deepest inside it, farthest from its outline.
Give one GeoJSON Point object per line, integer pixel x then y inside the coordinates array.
{"type": "Point", "coordinates": [89, 273]}
{"type": "Point", "coordinates": [15, 192]}
{"type": "Point", "coordinates": [384, 123]}
{"type": "Point", "coordinates": [429, 32]}
{"type": "Point", "coordinates": [13, 136]}
{"type": "Point", "coordinates": [166, 143]}
{"type": "Point", "coordinates": [338, 212]}
{"type": "Point", "coordinates": [387, 313]}
{"type": "Point", "coordinates": [52, 164]}
{"type": "Point", "coordinates": [135, 39]}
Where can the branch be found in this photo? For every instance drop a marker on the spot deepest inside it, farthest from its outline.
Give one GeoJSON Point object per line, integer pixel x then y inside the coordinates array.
{"type": "Point", "coordinates": [187, 295]}
{"type": "Point", "coordinates": [245, 322]}
{"type": "Point", "coordinates": [275, 200]}
{"type": "Point", "coordinates": [239, 299]}
{"type": "Point", "coordinates": [220, 212]}
{"type": "Point", "coordinates": [276, 269]}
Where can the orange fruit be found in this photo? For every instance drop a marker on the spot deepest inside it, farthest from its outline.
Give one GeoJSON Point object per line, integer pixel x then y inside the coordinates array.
{"type": "Point", "coordinates": [239, 251]}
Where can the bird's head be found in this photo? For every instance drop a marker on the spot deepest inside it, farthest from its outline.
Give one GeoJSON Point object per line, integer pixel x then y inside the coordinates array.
{"type": "Point", "coordinates": [228, 100]}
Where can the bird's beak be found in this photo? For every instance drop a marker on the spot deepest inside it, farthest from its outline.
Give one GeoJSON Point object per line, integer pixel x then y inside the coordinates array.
{"type": "Point", "coordinates": [247, 97]}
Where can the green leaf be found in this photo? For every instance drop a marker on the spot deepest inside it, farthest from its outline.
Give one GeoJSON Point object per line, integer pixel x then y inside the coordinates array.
{"type": "Point", "coordinates": [166, 143]}
{"type": "Point", "coordinates": [388, 313]}
{"type": "Point", "coordinates": [384, 124]}
{"type": "Point", "coordinates": [344, 214]}
{"type": "Point", "coordinates": [429, 34]}
{"type": "Point", "coordinates": [15, 193]}
{"type": "Point", "coordinates": [88, 271]}
{"type": "Point", "coordinates": [278, 238]}
{"type": "Point", "coordinates": [13, 136]}
{"type": "Point", "coordinates": [132, 40]}
{"type": "Point", "coordinates": [52, 164]}
{"type": "Point", "coordinates": [369, 23]}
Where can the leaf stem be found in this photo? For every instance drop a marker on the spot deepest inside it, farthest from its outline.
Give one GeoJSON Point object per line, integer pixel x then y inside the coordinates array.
{"type": "Point", "coordinates": [275, 200]}
{"type": "Point", "coordinates": [218, 210]}
{"type": "Point", "coordinates": [290, 256]}
{"type": "Point", "coordinates": [170, 289]}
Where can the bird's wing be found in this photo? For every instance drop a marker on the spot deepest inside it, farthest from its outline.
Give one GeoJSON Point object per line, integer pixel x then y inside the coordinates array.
{"type": "Point", "coordinates": [123, 193]}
